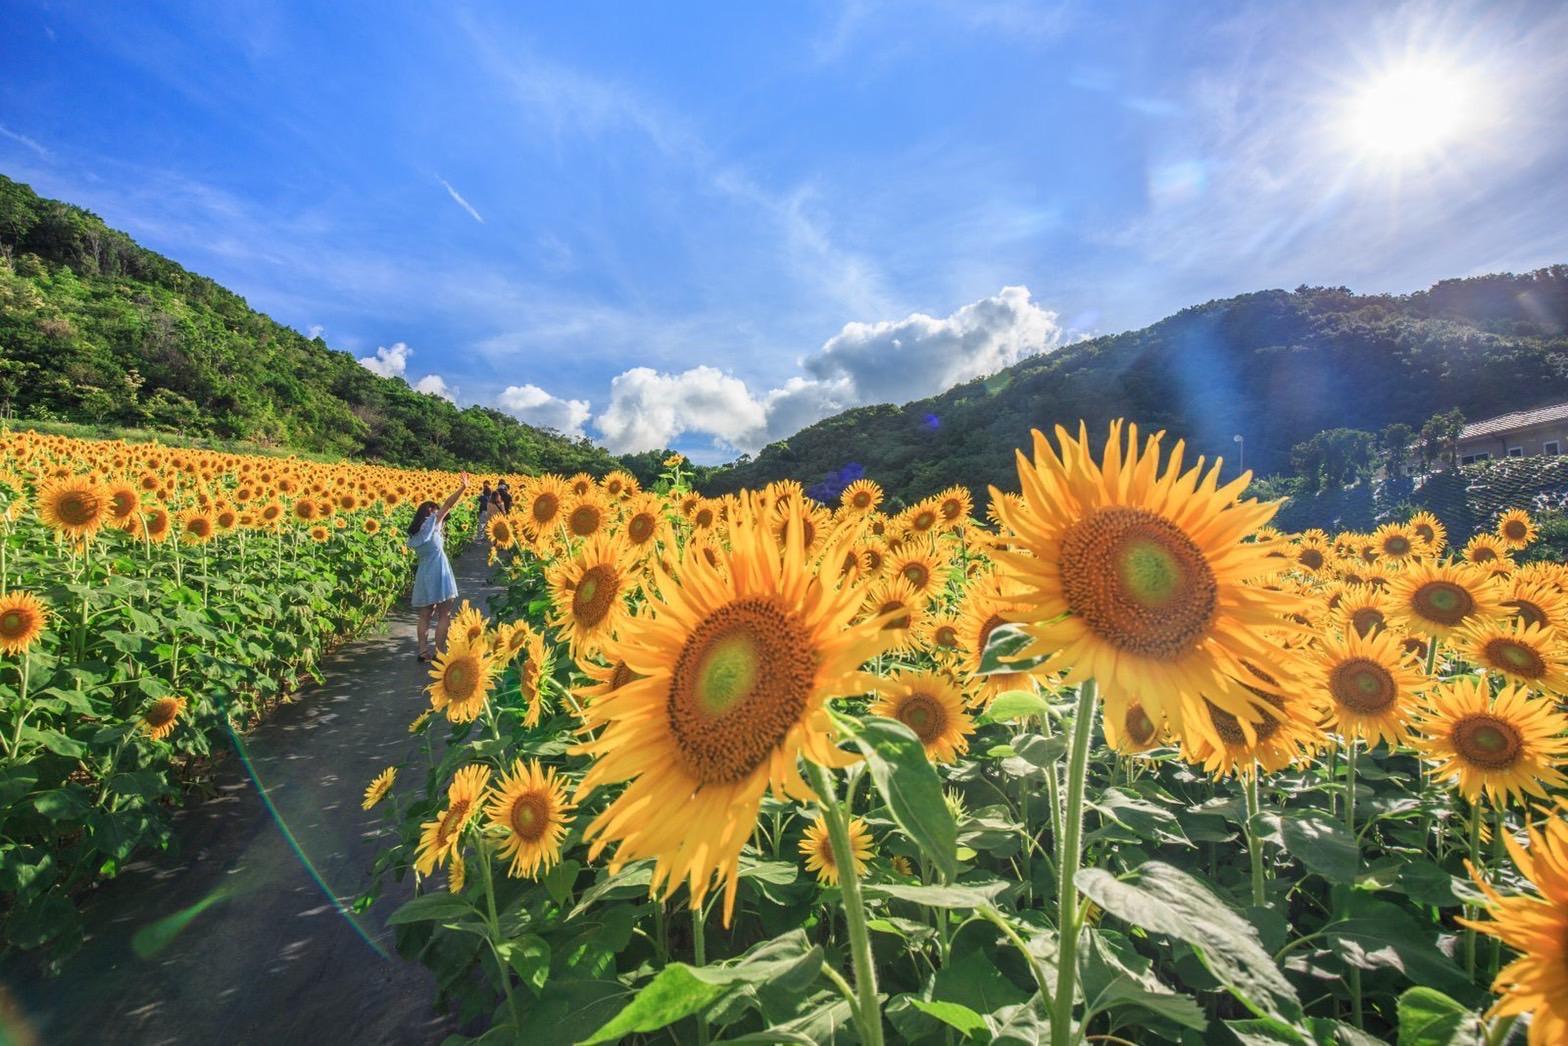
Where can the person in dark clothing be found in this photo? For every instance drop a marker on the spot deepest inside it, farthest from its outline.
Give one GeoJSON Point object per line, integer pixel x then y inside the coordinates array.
{"type": "Point", "coordinates": [485, 496]}
{"type": "Point", "coordinates": [503, 494]}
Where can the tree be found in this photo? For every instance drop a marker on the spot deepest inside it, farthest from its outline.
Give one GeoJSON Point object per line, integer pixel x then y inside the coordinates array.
{"type": "Point", "coordinates": [1394, 443]}
{"type": "Point", "coordinates": [1333, 458]}
{"type": "Point", "coordinates": [1440, 437]}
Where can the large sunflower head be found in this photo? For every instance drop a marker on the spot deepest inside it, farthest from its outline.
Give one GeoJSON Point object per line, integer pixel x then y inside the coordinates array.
{"type": "Point", "coordinates": [23, 617]}
{"type": "Point", "coordinates": [1396, 541]}
{"type": "Point", "coordinates": [1141, 577]}
{"type": "Point", "coordinates": [76, 506]}
{"type": "Point", "coordinates": [440, 839]}
{"type": "Point", "coordinates": [587, 516]}
{"type": "Point", "coordinates": [1437, 598]}
{"type": "Point", "coordinates": [1362, 609]}
{"type": "Point", "coordinates": [923, 565]}
{"type": "Point", "coordinates": [1487, 550]}
{"type": "Point", "coordinates": [1430, 530]}
{"type": "Point", "coordinates": [989, 601]}
{"type": "Point", "coordinates": [500, 531]}
{"type": "Point", "coordinates": [737, 661]}
{"type": "Point", "coordinates": [161, 716]}
{"type": "Point", "coordinates": [1516, 529]}
{"type": "Point", "coordinates": [1535, 926]}
{"type": "Point", "coordinates": [861, 497]}
{"type": "Point", "coordinates": [1527, 654]}
{"type": "Point", "coordinates": [589, 592]}
{"type": "Point", "coordinates": [1508, 746]}
{"type": "Point", "coordinates": [1366, 685]}
{"type": "Point", "coordinates": [931, 705]}
{"type": "Point", "coordinates": [1535, 603]}
{"type": "Point", "coordinates": [125, 501]}
{"type": "Point", "coordinates": [618, 485]}
{"type": "Point", "coordinates": [644, 524]}
{"type": "Point", "coordinates": [197, 526]}
{"type": "Point", "coordinates": [531, 811]}
{"type": "Point", "coordinates": [897, 609]}
{"type": "Point", "coordinates": [460, 680]}
{"type": "Point", "coordinates": [1314, 555]}
{"type": "Point", "coordinates": [545, 502]}
{"type": "Point", "coordinates": [816, 845]}
{"type": "Point", "coordinates": [1222, 744]}
{"type": "Point", "coordinates": [954, 505]}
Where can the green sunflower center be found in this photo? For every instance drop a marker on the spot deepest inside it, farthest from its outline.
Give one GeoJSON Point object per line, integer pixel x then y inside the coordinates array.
{"type": "Point", "coordinates": [1487, 742]}
{"type": "Point", "coordinates": [924, 715]}
{"type": "Point", "coordinates": [530, 816]}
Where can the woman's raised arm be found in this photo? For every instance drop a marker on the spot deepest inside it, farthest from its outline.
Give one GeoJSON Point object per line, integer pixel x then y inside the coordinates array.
{"type": "Point", "coordinates": [462, 485]}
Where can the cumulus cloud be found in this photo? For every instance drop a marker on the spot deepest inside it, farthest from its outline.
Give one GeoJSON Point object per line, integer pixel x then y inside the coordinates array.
{"type": "Point", "coordinates": [649, 410]}
{"type": "Point", "coordinates": [893, 361]}
{"type": "Point", "coordinates": [435, 385]}
{"type": "Point", "coordinates": [531, 404]}
{"type": "Point", "coordinates": [896, 361]}
{"type": "Point", "coordinates": [388, 362]}
{"type": "Point", "coordinates": [315, 330]}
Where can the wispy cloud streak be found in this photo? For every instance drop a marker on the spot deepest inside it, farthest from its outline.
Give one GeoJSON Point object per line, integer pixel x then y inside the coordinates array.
{"type": "Point", "coordinates": [457, 198]}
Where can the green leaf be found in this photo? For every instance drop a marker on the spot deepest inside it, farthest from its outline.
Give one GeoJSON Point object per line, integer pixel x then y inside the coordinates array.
{"type": "Point", "coordinates": [634, 877]}
{"type": "Point", "coordinates": [1321, 844]}
{"type": "Point", "coordinates": [432, 907]}
{"type": "Point", "coordinates": [956, 896]}
{"type": "Point", "coordinates": [1383, 935]}
{"type": "Point", "coordinates": [779, 873]}
{"type": "Point", "coordinates": [1426, 883]}
{"type": "Point", "coordinates": [1012, 705]}
{"type": "Point", "coordinates": [1164, 899]}
{"type": "Point", "coordinates": [908, 783]}
{"type": "Point", "coordinates": [1143, 818]}
{"type": "Point", "coordinates": [529, 955]}
{"type": "Point", "coordinates": [1427, 1017]}
{"type": "Point", "coordinates": [955, 1015]}
{"type": "Point", "coordinates": [1003, 649]}
{"type": "Point", "coordinates": [559, 880]}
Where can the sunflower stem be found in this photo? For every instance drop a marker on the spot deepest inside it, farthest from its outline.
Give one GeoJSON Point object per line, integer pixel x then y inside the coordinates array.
{"type": "Point", "coordinates": [1069, 854]}
{"type": "Point", "coordinates": [699, 951]}
{"type": "Point", "coordinates": [1474, 839]}
{"type": "Point", "coordinates": [854, 907]}
{"type": "Point", "coordinates": [1254, 844]}
{"type": "Point", "coordinates": [502, 967]}
{"type": "Point", "coordinates": [1350, 826]}
{"type": "Point", "coordinates": [1495, 947]}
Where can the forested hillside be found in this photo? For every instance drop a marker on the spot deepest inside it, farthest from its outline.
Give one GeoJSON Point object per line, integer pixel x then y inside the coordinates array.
{"type": "Point", "coordinates": [95, 328]}
{"type": "Point", "coordinates": [1275, 367]}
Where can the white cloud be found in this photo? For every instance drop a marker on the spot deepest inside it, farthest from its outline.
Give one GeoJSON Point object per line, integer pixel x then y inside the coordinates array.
{"type": "Point", "coordinates": [315, 330]}
{"type": "Point", "coordinates": [920, 355]}
{"type": "Point", "coordinates": [435, 385]}
{"type": "Point", "coordinates": [457, 198]}
{"type": "Point", "coordinates": [531, 404]}
{"type": "Point", "coordinates": [388, 362]}
{"type": "Point", "coordinates": [649, 410]}
{"type": "Point", "coordinates": [6, 132]}
{"type": "Point", "coordinates": [886, 362]}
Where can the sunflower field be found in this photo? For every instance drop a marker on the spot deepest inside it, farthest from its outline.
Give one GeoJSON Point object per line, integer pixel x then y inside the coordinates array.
{"type": "Point", "coordinates": [152, 601]}
{"type": "Point", "coordinates": [1120, 764]}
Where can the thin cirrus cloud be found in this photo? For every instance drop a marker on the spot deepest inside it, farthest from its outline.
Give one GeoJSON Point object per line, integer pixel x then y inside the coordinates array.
{"type": "Point", "coordinates": [457, 198]}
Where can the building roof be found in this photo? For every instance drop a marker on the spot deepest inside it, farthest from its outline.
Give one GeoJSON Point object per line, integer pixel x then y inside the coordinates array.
{"type": "Point", "coordinates": [1519, 419]}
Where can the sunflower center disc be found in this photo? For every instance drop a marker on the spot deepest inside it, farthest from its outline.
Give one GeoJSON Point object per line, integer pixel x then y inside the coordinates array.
{"type": "Point", "coordinates": [640, 529]}
{"type": "Point", "coordinates": [1514, 530]}
{"type": "Point", "coordinates": [740, 683]}
{"type": "Point", "coordinates": [1367, 620]}
{"type": "Point", "coordinates": [945, 637]}
{"type": "Point", "coordinates": [545, 507]}
{"type": "Point", "coordinates": [1138, 582]}
{"type": "Point", "coordinates": [595, 594]}
{"type": "Point", "coordinates": [895, 624]}
{"type": "Point", "coordinates": [1139, 727]}
{"type": "Point", "coordinates": [1363, 686]}
{"type": "Point", "coordinates": [1527, 611]}
{"type": "Point", "coordinates": [530, 816]}
{"type": "Point", "coordinates": [78, 510]}
{"type": "Point", "coordinates": [1517, 658]}
{"type": "Point", "coordinates": [1487, 742]}
{"type": "Point", "coordinates": [1443, 602]}
{"type": "Point", "coordinates": [917, 574]}
{"type": "Point", "coordinates": [460, 679]}
{"type": "Point", "coordinates": [1396, 546]}
{"type": "Point", "coordinates": [1310, 558]}
{"type": "Point", "coordinates": [924, 716]}
{"type": "Point", "coordinates": [12, 624]}
{"type": "Point", "coordinates": [584, 520]}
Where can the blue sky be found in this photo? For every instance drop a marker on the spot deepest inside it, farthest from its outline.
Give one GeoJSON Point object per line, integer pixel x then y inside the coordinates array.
{"type": "Point", "coordinates": [707, 225]}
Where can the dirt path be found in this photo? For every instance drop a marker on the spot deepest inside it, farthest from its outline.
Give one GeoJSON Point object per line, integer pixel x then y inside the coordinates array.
{"type": "Point", "coordinates": [271, 959]}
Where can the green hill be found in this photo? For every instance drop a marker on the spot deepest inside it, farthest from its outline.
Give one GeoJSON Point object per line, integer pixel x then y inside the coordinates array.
{"type": "Point", "coordinates": [1275, 367]}
{"type": "Point", "coordinates": [94, 328]}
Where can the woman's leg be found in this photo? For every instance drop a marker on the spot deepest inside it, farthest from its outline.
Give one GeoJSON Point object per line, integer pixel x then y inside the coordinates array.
{"type": "Point", "coordinates": [422, 628]}
{"type": "Point", "coordinates": [443, 619]}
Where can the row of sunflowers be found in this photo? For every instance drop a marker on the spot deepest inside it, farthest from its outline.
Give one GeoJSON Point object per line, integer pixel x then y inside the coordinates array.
{"type": "Point", "coordinates": [152, 600]}
{"type": "Point", "coordinates": [1119, 764]}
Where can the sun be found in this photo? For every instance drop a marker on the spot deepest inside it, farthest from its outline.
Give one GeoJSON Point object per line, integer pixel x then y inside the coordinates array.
{"type": "Point", "coordinates": [1411, 111]}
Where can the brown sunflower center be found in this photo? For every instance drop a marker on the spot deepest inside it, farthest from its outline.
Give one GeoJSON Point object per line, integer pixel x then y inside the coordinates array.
{"type": "Point", "coordinates": [640, 528]}
{"type": "Point", "coordinates": [861, 499]}
{"type": "Point", "coordinates": [703, 518]}
{"type": "Point", "coordinates": [1487, 741]}
{"type": "Point", "coordinates": [1362, 686]}
{"type": "Point", "coordinates": [122, 503]}
{"type": "Point", "coordinates": [1526, 611]}
{"type": "Point", "coordinates": [1443, 603]}
{"type": "Point", "coordinates": [545, 507]}
{"type": "Point", "coordinates": [1515, 530]}
{"type": "Point", "coordinates": [15, 623]}
{"type": "Point", "coordinates": [163, 711]}
{"type": "Point", "coordinates": [898, 622]}
{"type": "Point", "coordinates": [452, 821]}
{"type": "Point", "coordinates": [918, 574]}
{"type": "Point", "coordinates": [952, 508]}
{"type": "Point", "coordinates": [925, 519]}
{"type": "Point", "coordinates": [621, 675]}
{"type": "Point", "coordinates": [78, 508]}
{"type": "Point", "coordinates": [1367, 620]}
{"type": "Point", "coordinates": [584, 520]}
{"type": "Point", "coordinates": [741, 682]}
{"type": "Point", "coordinates": [460, 680]}
{"type": "Point", "coordinates": [946, 637]}
{"type": "Point", "coordinates": [596, 594]}
{"type": "Point", "coordinates": [1140, 728]}
{"type": "Point", "coordinates": [1514, 657]}
{"type": "Point", "coordinates": [1396, 545]}
{"type": "Point", "coordinates": [1425, 532]}
{"type": "Point", "coordinates": [1483, 554]}
{"type": "Point", "coordinates": [1311, 558]}
{"type": "Point", "coordinates": [1138, 582]}
{"type": "Point", "coordinates": [530, 816]}
{"type": "Point", "coordinates": [923, 714]}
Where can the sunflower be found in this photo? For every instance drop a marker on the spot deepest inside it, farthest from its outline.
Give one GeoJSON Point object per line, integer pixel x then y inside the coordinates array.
{"type": "Point", "coordinates": [1516, 529]}
{"type": "Point", "coordinates": [922, 565]}
{"type": "Point", "coordinates": [580, 484]}
{"type": "Point", "coordinates": [531, 807]}
{"type": "Point", "coordinates": [1535, 603]}
{"type": "Point", "coordinates": [157, 524]}
{"type": "Point", "coordinates": [1134, 732]}
{"type": "Point", "coordinates": [644, 524]}
{"type": "Point", "coordinates": [460, 681]}
{"type": "Point", "coordinates": [705, 515]}
{"type": "Point", "coordinates": [860, 497]}
{"type": "Point", "coordinates": [371, 525]}
{"type": "Point", "coordinates": [22, 620]}
{"type": "Point", "coordinates": [319, 533]}
{"type": "Point", "coordinates": [619, 484]}
{"type": "Point", "coordinates": [306, 510]}
{"type": "Point", "coordinates": [531, 677]}
{"type": "Point", "coordinates": [987, 604]}
{"type": "Point", "coordinates": [817, 847]}
{"type": "Point", "coordinates": [1487, 551]}
{"type": "Point", "coordinates": [545, 498]}
{"type": "Point", "coordinates": [1139, 579]}
{"type": "Point", "coordinates": [196, 526]}
{"type": "Point", "coordinates": [811, 519]}
{"type": "Point", "coordinates": [606, 679]}
{"type": "Point", "coordinates": [931, 705]}
{"type": "Point", "coordinates": [587, 516]}
{"type": "Point", "coordinates": [124, 501]}
{"type": "Point", "coordinates": [1430, 530]}
{"type": "Point", "coordinates": [161, 715]}
{"type": "Point", "coordinates": [1365, 685]}
{"type": "Point", "coordinates": [1285, 735]}
{"type": "Point", "coordinates": [1536, 926]}
{"type": "Point", "coordinates": [500, 531]}
{"type": "Point", "coordinates": [75, 506]}
{"type": "Point", "coordinates": [225, 518]}
{"type": "Point", "coordinates": [420, 720]}
{"type": "Point", "coordinates": [1521, 653]}
{"type": "Point", "coordinates": [954, 505]}
{"type": "Point", "coordinates": [378, 788]}
{"type": "Point", "coordinates": [1437, 598]}
{"type": "Point", "coordinates": [1507, 746]}
{"type": "Point", "coordinates": [589, 592]}
{"type": "Point", "coordinates": [1397, 541]}
{"type": "Point", "coordinates": [922, 517]}
{"type": "Point", "coordinates": [438, 839]}
{"type": "Point", "coordinates": [1314, 555]}
{"type": "Point", "coordinates": [1362, 608]}
{"type": "Point", "coordinates": [738, 662]}
{"type": "Point", "coordinates": [674, 460]}
{"type": "Point", "coordinates": [468, 625]}
{"type": "Point", "coordinates": [897, 609]}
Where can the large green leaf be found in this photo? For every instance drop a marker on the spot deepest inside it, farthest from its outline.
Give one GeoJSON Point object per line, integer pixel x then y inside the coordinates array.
{"type": "Point", "coordinates": [1427, 1017]}
{"type": "Point", "coordinates": [1380, 935]}
{"type": "Point", "coordinates": [432, 907]}
{"type": "Point", "coordinates": [956, 1015]}
{"type": "Point", "coordinates": [1164, 899]}
{"type": "Point", "coordinates": [960, 896]}
{"type": "Point", "coordinates": [1013, 705]}
{"type": "Point", "coordinates": [1003, 649]}
{"type": "Point", "coordinates": [908, 784]}
{"type": "Point", "coordinates": [1322, 844]}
